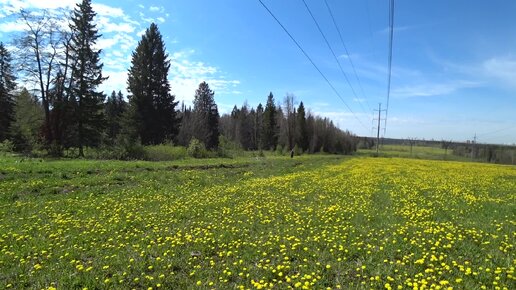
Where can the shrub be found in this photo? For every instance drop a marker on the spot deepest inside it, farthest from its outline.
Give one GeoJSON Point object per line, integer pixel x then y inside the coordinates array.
{"type": "Point", "coordinates": [165, 152]}
{"type": "Point", "coordinates": [7, 146]}
{"type": "Point", "coordinates": [196, 149]}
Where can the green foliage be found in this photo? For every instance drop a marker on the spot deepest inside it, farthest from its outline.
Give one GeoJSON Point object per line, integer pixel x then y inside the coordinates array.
{"type": "Point", "coordinates": [86, 77]}
{"type": "Point", "coordinates": [228, 148]}
{"type": "Point", "coordinates": [115, 108]}
{"type": "Point", "coordinates": [269, 129]}
{"type": "Point", "coordinates": [165, 152]}
{"type": "Point", "coordinates": [206, 116]}
{"type": "Point", "coordinates": [7, 86]}
{"type": "Point", "coordinates": [28, 122]}
{"type": "Point", "coordinates": [154, 108]}
{"type": "Point", "coordinates": [6, 146]}
{"type": "Point", "coordinates": [280, 150]}
{"type": "Point", "coordinates": [302, 137]}
{"type": "Point", "coordinates": [196, 149]}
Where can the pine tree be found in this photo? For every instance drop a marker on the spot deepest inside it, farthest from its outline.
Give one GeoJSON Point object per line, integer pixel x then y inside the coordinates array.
{"type": "Point", "coordinates": [206, 116]}
{"type": "Point", "coordinates": [154, 106]}
{"type": "Point", "coordinates": [7, 85]}
{"type": "Point", "coordinates": [269, 130]}
{"type": "Point", "coordinates": [86, 77]}
{"type": "Point", "coordinates": [302, 130]}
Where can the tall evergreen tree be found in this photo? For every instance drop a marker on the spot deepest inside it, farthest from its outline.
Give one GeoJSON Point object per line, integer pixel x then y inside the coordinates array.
{"type": "Point", "coordinates": [206, 116]}
{"type": "Point", "coordinates": [302, 130]}
{"type": "Point", "coordinates": [155, 107]}
{"type": "Point", "coordinates": [86, 76]}
{"type": "Point", "coordinates": [269, 130]}
{"type": "Point", "coordinates": [7, 85]}
{"type": "Point", "coordinates": [258, 126]}
{"type": "Point", "coordinates": [114, 110]}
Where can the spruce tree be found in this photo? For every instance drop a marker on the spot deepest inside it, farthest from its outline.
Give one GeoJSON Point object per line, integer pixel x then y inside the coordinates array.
{"type": "Point", "coordinates": [154, 105]}
{"type": "Point", "coordinates": [86, 77]}
{"type": "Point", "coordinates": [269, 130]}
{"type": "Point", "coordinates": [7, 85]}
{"type": "Point", "coordinates": [114, 109]}
{"type": "Point", "coordinates": [206, 116]}
{"type": "Point", "coordinates": [258, 126]}
{"type": "Point", "coordinates": [302, 130]}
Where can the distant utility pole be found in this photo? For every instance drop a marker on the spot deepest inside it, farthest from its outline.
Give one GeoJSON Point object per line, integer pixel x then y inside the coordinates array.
{"type": "Point", "coordinates": [473, 147]}
{"type": "Point", "coordinates": [378, 128]}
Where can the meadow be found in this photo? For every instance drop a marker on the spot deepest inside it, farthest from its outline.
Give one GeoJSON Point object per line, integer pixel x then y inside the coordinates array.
{"type": "Point", "coordinates": [312, 222]}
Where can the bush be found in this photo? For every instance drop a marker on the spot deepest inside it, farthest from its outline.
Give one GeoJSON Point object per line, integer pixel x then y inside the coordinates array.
{"type": "Point", "coordinates": [228, 148]}
{"type": "Point", "coordinates": [196, 149]}
{"type": "Point", "coordinates": [279, 150]}
{"type": "Point", "coordinates": [164, 152]}
{"type": "Point", "coordinates": [7, 146]}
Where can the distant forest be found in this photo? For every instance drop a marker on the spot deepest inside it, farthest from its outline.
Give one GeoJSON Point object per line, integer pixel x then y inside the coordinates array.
{"type": "Point", "coordinates": [66, 112]}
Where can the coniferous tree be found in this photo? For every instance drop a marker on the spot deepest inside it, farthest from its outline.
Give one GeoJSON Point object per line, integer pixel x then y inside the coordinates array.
{"type": "Point", "coordinates": [245, 127]}
{"type": "Point", "coordinates": [154, 106]}
{"type": "Point", "coordinates": [86, 77]}
{"type": "Point", "coordinates": [114, 110]}
{"type": "Point", "coordinates": [186, 129]}
{"type": "Point", "coordinates": [206, 116]}
{"type": "Point", "coordinates": [302, 130]}
{"type": "Point", "coordinates": [258, 126]}
{"type": "Point", "coordinates": [269, 129]}
{"type": "Point", "coordinates": [7, 85]}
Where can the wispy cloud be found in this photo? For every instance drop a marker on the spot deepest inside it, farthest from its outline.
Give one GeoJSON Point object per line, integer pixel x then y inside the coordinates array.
{"type": "Point", "coordinates": [432, 89]}
{"type": "Point", "coordinates": [157, 9]}
{"type": "Point", "coordinates": [397, 29]}
{"type": "Point", "coordinates": [502, 69]}
{"type": "Point", "coordinates": [186, 74]}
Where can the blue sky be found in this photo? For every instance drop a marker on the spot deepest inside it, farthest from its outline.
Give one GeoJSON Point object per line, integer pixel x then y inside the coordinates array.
{"type": "Point", "coordinates": [453, 70]}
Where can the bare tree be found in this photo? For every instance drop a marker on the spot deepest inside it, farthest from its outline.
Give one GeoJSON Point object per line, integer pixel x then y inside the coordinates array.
{"type": "Point", "coordinates": [40, 55]}
{"type": "Point", "coordinates": [412, 141]}
{"type": "Point", "coordinates": [445, 144]}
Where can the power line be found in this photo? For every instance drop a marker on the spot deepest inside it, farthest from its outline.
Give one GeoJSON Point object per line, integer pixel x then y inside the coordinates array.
{"type": "Point", "coordinates": [391, 32]}
{"type": "Point", "coordinates": [311, 61]}
{"type": "Point", "coordinates": [496, 131]}
{"type": "Point", "coordinates": [333, 53]}
{"type": "Point", "coordinates": [347, 53]}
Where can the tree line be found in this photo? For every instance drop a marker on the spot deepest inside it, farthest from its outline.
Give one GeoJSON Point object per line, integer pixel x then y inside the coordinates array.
{"type": "Point", "coordinates": [66, 110]}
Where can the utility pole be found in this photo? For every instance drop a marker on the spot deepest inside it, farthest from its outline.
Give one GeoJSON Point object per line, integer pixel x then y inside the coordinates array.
{"type": "Point", "coordinates": [474, 145]}
{"type": "Point", "coordinates": [378, 129]}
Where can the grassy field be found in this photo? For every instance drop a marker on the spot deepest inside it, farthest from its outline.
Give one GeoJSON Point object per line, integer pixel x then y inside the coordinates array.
{"type": "Point", "coordinates": [309, 222]}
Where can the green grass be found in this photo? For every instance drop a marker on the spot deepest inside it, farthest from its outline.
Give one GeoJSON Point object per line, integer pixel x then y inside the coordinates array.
{"type": "Point", "coordinates": [418, 152]}
{"type": "Point", "coordinates": [254, 222]}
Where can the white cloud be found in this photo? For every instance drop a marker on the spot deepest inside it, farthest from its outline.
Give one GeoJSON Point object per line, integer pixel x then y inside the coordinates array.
{"type": "Point", "coordinates": [106, 25]}
{"type": "Point", "coordinates": [141, 6]}
{"type": "Point", "coordinates": [105, 10]}
{"type": "Point", "coordinates": [13, 26]}
{"type": "Point", "coordinates": [432, 89]}
{"type": "Point", "coordinates": [13, 6]}
{"type": "Point", "coordinates": [502, 69]}
{"type": "Point", "coordinates": [146, 19]}
{"type": "Point", "coordinates": [117, 82]}
{"type": "Point", "coordinates": [157, 9]}
{"type": "Point", "coordinates": [161, 19]}
{"type": "Point", "coordinates": [185, 76]}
